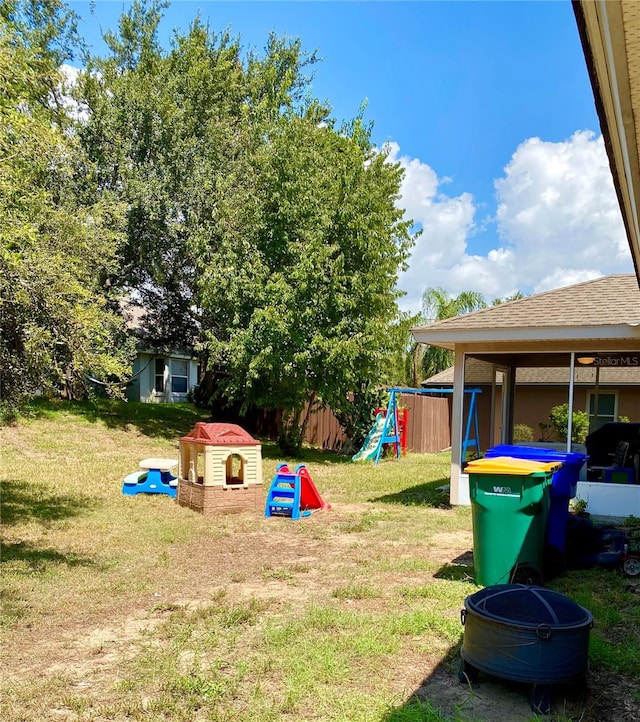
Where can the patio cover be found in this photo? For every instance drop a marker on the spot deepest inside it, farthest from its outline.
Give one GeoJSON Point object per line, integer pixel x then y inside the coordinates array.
{"type": "Point", "coordinates": [549, 329]}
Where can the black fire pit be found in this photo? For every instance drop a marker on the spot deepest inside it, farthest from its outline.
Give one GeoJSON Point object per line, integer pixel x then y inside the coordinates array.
{"type": "Point", "coordinates": [525, 634]}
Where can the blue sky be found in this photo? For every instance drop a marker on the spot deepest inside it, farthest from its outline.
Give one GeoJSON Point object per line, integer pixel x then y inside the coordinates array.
{"type": "Point", "coordinates": [486, 104]}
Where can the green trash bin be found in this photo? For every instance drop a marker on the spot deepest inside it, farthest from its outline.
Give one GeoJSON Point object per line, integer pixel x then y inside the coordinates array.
{"type": "Point", "coordinates": [509, 511]}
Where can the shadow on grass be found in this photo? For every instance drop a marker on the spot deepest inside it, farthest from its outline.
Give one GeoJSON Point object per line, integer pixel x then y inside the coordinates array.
{"type": "Point", "coordinates": [459, 570]}
{"type": "Point", "coordinates": [21, 562]}
{"type": "Point", "coordinates": [167, 421]}
{"type": "Point", "coordinates": [427, 494]}
{"type": "Point", "coordinates": [441, 697]}
{"type": "Point", "coordinates": [24, 501]}
{"type": "Point", "coordinates": [33, 559]}
{"type": "Point", "coordinates": [427, 703]}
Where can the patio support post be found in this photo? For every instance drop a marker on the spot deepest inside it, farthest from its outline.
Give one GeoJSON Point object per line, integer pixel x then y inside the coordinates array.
{"type": "Point", "coordinates": [572, 366]}
{"type": "Point", "coordinates": [457, 495]}
{"type": "Point", "coordinates": [492, 411]}
{"type": "Point", "coordinates": [511, 400]}
{"type": "Point", "coordinates": [596, 400]}
{"type": "Point", "coordinates": [504, 435]}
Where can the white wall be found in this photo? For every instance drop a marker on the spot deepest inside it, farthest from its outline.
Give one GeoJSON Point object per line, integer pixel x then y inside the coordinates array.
{"type": "Point", "coordinates": [619, 500]}
{"type": "Point", "coordinates": [147, 364]}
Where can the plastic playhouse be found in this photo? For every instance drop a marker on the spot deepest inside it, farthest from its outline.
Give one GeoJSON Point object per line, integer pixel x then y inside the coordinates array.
{"type": "Point", "coordinates": [220, 469]}
{"type": "Point", "coordinates": [293, 494]}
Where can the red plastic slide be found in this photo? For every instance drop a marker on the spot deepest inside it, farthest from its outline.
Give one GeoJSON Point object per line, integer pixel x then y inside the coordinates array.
{"type": "Point", "coordinates": [309, 495]}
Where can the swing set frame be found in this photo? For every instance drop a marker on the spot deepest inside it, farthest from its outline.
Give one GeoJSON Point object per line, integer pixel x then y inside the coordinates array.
{"type": "Point", "coordinates": [391, 429]}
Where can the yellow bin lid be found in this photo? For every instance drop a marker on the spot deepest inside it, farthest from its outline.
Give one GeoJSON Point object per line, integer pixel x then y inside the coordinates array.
{"type": "Point", "coordinates": [510, 465]}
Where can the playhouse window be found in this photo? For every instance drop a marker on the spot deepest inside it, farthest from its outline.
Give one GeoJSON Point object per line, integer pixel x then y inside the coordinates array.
{"type": "Point", "coordinates": [195, 460]}
{"type": "Point", "coordinates": [179, 376]}
{"type": "Point", "coordinates": [159, 376]}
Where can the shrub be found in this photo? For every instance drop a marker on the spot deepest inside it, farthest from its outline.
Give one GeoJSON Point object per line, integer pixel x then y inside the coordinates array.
{"type": "Point", "coordinates": [522, 432]}
{"type": "Point", "coordinates": [8, 413]}
{"type": "Point", "coordinates": [560, 422]}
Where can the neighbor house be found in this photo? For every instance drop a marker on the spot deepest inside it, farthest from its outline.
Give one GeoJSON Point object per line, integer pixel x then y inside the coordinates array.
{"type": "Point", "coordinates": [160, 375]}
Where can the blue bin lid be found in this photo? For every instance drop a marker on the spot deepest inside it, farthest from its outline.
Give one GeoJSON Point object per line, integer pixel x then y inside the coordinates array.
{"type": "Point", "coordinates": [537, 453]}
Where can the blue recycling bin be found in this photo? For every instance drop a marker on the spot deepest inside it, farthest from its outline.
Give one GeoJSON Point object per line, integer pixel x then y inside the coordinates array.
{"type": "Point", "coordinates": [563, 485]}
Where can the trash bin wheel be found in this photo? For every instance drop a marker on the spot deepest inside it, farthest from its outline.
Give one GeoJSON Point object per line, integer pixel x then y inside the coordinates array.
{"type": "Point", "coordinates": [467, 673]}
{"type": "Point", "coordinates": [540, 698]}
{"type": "Point", "coordinates": [525, 573]}
{"type": "Point", "coordinates": [631, 566]}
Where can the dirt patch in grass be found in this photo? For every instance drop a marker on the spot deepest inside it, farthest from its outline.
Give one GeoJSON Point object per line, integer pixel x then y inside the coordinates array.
{"type": "Point", "coordinates": [98, 582]}
{"type": "Point", "coordinates": [290, 564]}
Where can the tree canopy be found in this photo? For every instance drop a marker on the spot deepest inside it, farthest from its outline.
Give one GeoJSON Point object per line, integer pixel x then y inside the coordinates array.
{"type": "Point", "coordinates": [438, 305]}
{"type": "Point", "coordinates": [55, 248]}
{"type": "Point", "coordinates": [257, 229]}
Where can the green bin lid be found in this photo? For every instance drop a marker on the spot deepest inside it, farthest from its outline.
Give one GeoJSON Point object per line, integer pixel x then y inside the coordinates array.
{"type": "Point", "coordinates": [511, 465]}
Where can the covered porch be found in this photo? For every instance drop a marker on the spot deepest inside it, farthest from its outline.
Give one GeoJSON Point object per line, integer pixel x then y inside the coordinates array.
{"type": "Point", "coordinates": [597, 322]}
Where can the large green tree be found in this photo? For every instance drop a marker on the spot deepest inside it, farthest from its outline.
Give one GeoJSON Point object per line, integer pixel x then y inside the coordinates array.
{"type": "Point", "coordinates": [255, 226]}
{"type": "Point", "coordinates": [310, 311]}
{"type": "Point", "coordinates": [55, 250]}
{"type": "Point", "coordinates": [169, 131]}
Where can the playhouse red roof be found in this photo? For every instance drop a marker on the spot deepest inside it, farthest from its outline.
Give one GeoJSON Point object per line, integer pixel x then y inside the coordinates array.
{"type": "Point", "coordinates": [219, 435]}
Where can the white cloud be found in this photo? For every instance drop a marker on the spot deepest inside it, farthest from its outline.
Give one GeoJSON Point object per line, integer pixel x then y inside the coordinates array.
{"type": "Point", "coordinates": [446, 223]}
{"type": "Point", "coordinates": [558, 211]}
{"type": "Point", "coordinates": [557, 222]}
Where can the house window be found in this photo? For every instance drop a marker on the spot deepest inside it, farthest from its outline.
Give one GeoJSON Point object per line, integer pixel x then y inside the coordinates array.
{"type": "Point", "coordinates": [158, 385]}
{"type": "Point", "coordinates": [179, 376]}
{"type": "Point", "coordinates": [607, 409]}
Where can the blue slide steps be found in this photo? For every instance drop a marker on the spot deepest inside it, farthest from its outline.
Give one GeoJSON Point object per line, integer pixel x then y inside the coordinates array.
{"type": "Point", "coordinates": [283, 498]}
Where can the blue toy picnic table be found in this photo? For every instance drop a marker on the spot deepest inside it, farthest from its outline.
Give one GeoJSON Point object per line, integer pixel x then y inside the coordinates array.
{"type": "Point", "coordinates": [155, 477]}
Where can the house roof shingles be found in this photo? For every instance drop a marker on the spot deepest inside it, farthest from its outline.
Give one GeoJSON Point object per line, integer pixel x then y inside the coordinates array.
{"type": "Point", "coordinates": [606, 301]}
{"type": "Point", "coordinates": [480, 372]}
{"type": "Point", "coordinates": [599, 315]}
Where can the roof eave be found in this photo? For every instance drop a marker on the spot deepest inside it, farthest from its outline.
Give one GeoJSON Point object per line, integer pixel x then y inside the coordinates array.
{"type": "Point", "coordinates": [606, 39]}
{"type": "Point", "coordinates": [449, 338]}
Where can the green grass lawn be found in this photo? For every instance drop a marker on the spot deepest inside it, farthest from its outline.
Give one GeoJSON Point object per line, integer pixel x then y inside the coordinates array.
{"type": "Point", "coordinates": [133, 608]}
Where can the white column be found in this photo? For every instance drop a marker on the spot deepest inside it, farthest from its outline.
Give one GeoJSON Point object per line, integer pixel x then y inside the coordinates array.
{"type": "Point", "coordinates": [504, 406]}
{"type": "Point", "coordinates": [492, 410]}
{"type": "Point", "coordinates": [572, 367]}
{"type": "Point", "coordinates": [459, 488]}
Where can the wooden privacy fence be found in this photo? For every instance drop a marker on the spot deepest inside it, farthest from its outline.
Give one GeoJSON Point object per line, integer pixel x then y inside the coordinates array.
{"type": "Point", "coordinates": [428, 428]}
{"type": "Point", "coordinates": [323, 430]}
{"type": "Point", "coordinates": [429, 423]}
